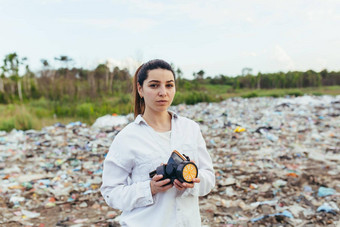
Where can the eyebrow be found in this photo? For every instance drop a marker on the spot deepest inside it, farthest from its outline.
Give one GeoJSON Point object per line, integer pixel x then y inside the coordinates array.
{"type": "Point", "coordinates": [157, 81]}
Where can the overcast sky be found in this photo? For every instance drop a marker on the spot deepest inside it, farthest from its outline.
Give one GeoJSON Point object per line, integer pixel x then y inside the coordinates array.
{"type": "Point", "coordinates": [220, 37]}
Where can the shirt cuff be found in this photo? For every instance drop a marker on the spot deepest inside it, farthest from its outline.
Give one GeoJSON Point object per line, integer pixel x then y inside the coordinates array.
{"type": "Point", "coordinates": [145, 190]}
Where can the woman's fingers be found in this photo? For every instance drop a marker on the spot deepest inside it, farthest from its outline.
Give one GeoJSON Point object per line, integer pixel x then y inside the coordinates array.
{"type": "Point", "coordinates": [181, 186]}
{"type": "Point", "coordinates": [157, 177]}
{"type": "Point", "coordinates": [196, 180]}
{"type": "Point", "coordinates": [191, 185]}
{"type": "Point", "coordinates": [178, 185]}
{"type": "Point", "coordinates": [163, 182]}
{"type": "Point", "coordinates": [158, 185]}
{"type": "Point", "coordinates": [159, 181]}
{"type": "Point", "coordinates": [188, 185]}
{"type": "Point", "coordinates": [165, 188]}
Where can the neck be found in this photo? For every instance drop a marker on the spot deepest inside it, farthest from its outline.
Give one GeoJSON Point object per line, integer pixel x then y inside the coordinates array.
{"type": "Point", "coordinates": [159, 121]}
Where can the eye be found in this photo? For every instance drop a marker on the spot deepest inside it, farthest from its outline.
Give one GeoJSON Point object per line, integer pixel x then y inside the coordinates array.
{"type": "Point", "coordinates": [169, 85]}
{"type": "Point", "coordinates": [153, 85]}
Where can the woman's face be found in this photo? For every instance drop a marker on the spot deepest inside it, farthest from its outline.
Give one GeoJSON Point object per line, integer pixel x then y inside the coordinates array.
{"type": "Point", "coordinates": [158, 90]}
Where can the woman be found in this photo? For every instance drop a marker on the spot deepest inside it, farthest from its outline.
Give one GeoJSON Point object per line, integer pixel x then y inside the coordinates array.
{"type": "Point", "coordinates": [146, 143]}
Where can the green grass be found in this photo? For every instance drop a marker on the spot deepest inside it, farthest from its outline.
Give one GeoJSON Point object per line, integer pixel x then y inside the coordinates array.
{"type": "Point", "coordinates": [250, 95]}
{"type": "Point", "coordinates": [217, 88]}
{"type": "Point", "coordinates": [16, 116]}
{"type": "Point", "coordinates": [191, 98]}
{"type": "Point", "coordinates": [331, 90]}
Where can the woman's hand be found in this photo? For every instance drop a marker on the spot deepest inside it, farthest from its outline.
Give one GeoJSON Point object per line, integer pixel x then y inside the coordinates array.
{"type": "Point", "coordinates": [181, 186]}
{"type": "Point", "coordinates": [157, 185]}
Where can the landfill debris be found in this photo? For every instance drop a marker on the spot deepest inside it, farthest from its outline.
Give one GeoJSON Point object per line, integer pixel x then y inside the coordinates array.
{"type": "Point", "coordinates": [239, 129]}
{"type": "Point", "coordinates": [279, 168]}
{"type": "Point", "coordinates": [326, 207]}
{"type": "Point", "coordinates": [325, 191]}
{"type": "Point", "coordinates": [28, 214]}
{"type": "Point", "coordinates": [284, 213]}
{"type": "Point", "coordinates": [110, 121]}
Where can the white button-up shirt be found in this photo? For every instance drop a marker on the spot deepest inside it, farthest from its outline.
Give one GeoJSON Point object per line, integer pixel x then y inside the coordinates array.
{"type": "Point", "coordinates": [135, 152]}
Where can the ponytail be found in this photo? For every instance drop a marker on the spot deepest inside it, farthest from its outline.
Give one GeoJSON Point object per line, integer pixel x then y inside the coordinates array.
{"type": "Point", "coordinates": [139, 102]}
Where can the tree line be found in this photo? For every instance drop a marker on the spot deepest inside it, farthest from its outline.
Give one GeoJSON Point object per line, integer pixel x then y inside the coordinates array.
{"type": "Point", "coordinates": [291, 79]}
{"type": "Point", "coordinates": [62, 84]}
{"type": "Point", "coordinates": [67, 84]}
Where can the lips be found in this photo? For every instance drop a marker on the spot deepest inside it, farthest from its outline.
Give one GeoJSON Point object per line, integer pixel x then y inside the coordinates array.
{"type": "Point", "coordinates": [162, 101]}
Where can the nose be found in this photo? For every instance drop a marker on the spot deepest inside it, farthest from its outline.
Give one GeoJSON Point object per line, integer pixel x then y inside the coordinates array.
{"type": "Point", "coordinates": [162, 91]}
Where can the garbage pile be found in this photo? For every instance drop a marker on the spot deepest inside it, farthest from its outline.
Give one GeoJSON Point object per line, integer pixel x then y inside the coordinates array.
{"type": "Point", "coordinates": [276, 160]}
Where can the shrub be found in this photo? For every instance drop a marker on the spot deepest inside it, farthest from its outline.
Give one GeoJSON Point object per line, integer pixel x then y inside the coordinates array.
{"type": "Point", "coordinates": [7, 125]}
{"type": "Point", "coordinates": [42, 102]}
{"type": "Point", "coordinates": [178, 99]}
{"type": "Point", "coordinates": [42, 112]}
{"type": "Point", "coordinates": [23, 121]}
{"type": "Point", "coordinates": [317, 93]}
{"type": "Point", "coordinates": [250, 95]}
{"type": "Point", "coordinates": [85, 110]}
{"type": "Point", "coordinates": [64, 110]}
{"type": "Point", "coordinates": [125, 99]}
{"type": "Point", "coordinates": [3, 98]}
{"type": "Point", "coordinates": [295, 93]}
{"type": "Point", "coordinates": [191, 98]}
{"type": "Point", "coordinates": [274, 95]}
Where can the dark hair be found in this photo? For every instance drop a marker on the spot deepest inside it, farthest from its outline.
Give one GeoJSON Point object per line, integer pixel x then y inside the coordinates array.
{"type": "Point", "coordinates": [141, 75]}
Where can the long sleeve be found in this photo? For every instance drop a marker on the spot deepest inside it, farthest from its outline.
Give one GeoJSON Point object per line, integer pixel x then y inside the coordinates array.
{"type": "Point", "coordinates": [205, 170]}
{"type": "Point", "coordinates": [116, 190]}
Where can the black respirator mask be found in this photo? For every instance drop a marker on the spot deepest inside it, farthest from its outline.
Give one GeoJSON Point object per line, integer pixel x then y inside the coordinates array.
{"type": "Point", "coordinates": [178, 167]}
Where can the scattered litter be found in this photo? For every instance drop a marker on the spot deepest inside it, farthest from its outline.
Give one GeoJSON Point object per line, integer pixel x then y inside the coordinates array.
{"type": "Point", "coordinates": [284, 213]}
{"type": "Point", "coordinates": [326, 207]}
{"type": "Point", "coordinates": [325, 191]}
{"type": "Point", "coordinates": [109, 121]}
{"type": "Point", "coordinates": [239, 129]}
{"type": "Point", "coordinates": [29, 214]}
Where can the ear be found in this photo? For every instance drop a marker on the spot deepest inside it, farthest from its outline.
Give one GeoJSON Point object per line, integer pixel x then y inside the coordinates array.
{"type": "Point", "coordinates": [140, 90]}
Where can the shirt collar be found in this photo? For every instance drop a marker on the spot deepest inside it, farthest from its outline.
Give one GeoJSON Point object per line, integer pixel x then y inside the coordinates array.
{"type": "Point", "coordinates": [140, 119]}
